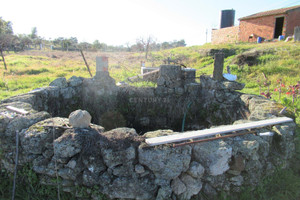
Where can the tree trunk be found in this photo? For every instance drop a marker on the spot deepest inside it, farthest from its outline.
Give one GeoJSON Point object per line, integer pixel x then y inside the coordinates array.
{"type": "Point", "coordinates": [3, 59]}
{"type": "Point", "coordinates": [147, 50]}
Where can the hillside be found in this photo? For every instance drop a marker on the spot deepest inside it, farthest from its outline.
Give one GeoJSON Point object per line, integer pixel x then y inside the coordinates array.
{"type": "Point", "coordinates": [31, 69]}
{"type": "Point", "coordinates": [263, 68]}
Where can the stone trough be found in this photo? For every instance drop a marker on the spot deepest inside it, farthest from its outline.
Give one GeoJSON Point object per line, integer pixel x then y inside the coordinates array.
{"type": "Point", "coordinates": [111, 152]}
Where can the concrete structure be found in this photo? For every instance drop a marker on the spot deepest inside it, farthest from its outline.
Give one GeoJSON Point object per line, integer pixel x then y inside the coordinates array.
{"type": "Point", "coordinates": [148, 69]}
{"type": "Point", "coordinates": [101, 65]}
{"type": "Point", "coordinates": [267, 25]}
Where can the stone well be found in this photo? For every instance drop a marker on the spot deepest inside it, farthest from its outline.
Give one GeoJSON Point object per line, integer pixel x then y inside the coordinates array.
{"type": "Point", "coordinates": [112, 154]}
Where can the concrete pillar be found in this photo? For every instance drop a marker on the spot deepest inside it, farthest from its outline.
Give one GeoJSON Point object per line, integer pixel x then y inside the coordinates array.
{"type": "Point", "coordinates": [101, 66]}
{"type": "Point", "coordinates": [297, 33]}
{"type": "Point", "coordinates": [218, 66]}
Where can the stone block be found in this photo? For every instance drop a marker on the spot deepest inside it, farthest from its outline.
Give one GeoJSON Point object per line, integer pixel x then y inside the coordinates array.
{"type": "Point", "coordinates": [218, 66]}
{"type": "Point", "coordinates": [189, 75]}
{"type": "Point", "coordinates": [171, 76]}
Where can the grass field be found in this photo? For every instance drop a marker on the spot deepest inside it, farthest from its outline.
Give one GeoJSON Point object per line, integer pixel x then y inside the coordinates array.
{"type": "Point", "coordinates": [31, 69]}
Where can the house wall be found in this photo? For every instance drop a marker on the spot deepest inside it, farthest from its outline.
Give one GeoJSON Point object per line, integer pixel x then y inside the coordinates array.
{"type": "Point", "coordinates": [293, 20]}
{"type": "Point", "coordinates": [260, 27]}
{"type": "Point", "coordinates": [225, 35]}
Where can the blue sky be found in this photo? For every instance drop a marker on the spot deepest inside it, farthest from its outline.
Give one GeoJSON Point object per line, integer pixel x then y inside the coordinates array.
{"type": "Point", "coordinates": [117, 22]}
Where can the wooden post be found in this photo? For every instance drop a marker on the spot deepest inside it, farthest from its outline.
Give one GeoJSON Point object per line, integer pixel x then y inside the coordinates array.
{"type": "Point", "coordinates": [86, 64]}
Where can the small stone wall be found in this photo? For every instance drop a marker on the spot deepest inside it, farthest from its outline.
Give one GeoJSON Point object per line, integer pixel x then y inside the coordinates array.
{"type": "Point", "coordinates": [118, 161]}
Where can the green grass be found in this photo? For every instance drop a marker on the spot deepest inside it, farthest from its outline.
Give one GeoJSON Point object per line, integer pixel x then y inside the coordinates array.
{"type": "Point", "coordinates": [283, 185]}
{"type": "Point", "coordinates": [28, 187]}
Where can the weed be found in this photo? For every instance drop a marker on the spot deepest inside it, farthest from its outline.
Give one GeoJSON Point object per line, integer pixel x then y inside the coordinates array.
{"type": "Point", "coordinates": [30, 188]}
{"type": "Point", "coordinates": [283, 185]}
{"type": "Point", "coordinates": [144, 84]}
{"type": "Point", "coordinates": [63, 74]}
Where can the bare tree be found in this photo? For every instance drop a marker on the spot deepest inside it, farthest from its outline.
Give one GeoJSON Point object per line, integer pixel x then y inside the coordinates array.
{"type": "Point", "coordinates": [146, 44]}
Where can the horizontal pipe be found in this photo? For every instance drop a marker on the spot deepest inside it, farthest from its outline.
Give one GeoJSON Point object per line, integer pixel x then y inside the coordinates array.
{"type": "Point", "coordinates": [215, 138]}
{"type": "Point", "coordinates": [214, 131]}
{"type": "Point", "coordinates": [17, 110]}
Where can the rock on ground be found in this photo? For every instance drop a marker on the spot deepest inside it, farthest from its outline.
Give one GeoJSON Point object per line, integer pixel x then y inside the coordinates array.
{"type": "Point", "coordinates": [80, 119]}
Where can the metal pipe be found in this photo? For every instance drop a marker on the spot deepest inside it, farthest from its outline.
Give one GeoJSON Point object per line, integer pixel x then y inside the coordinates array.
{"type": "Point", "coordinates": [215, 138]}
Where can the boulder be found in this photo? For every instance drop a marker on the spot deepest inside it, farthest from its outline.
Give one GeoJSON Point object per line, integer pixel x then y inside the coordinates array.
{"type": "Point", "coordinates": [41, 135]}
{"type": "Point", "coordinates": [164, 192]}
{"type": "Point", "coordinates": [74, 141]}
{"type": "Point", "coordinates": [139, 169]}
{"type": "Point", "coordinates": [131, 188]}
{"type": "Point", "coordinates": [7, 116]}
{"type": "Point", "coordinates": [178, 186]}
{"type": "Point", "coordinates": [233, 85]}
{"type": "Point", "coordinates": [75, 81]}
{"type": "Point", "coordinates": [166, 162]}
{"type": "Point", "coordinates": [24, 121]}
{"type": "Point", "coordinates": [214, 155]}
{"type": "Point", "coordinates": [193, 186]}
{"type": "Point", "coordinates": [118, 147]}
{"type": "Point", "coordinates": [59, 82]}
{"type": "Point", "coordinates": [67, 145]}
{"type": "Point", "coordinates": [208, 83]}
{"type": "Point", "coordinates": [196, 170]}
{"type": "Point", "coordinates": [80, 119]}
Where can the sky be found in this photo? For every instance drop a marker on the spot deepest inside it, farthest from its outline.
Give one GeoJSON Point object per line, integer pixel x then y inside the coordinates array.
{"type": "Point", "coordinates": [119, 22]}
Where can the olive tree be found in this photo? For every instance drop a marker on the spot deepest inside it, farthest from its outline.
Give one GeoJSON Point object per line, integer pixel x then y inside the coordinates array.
{"type": "Point", "coordinates": [6, 38]}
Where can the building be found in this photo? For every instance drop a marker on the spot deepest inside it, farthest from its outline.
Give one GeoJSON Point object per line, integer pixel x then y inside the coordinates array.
{"type": "Point", "coordinates": [267, 25]}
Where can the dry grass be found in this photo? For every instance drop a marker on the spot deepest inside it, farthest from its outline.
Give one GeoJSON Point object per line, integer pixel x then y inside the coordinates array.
{"type": "Point", "coordinates": [32, 69]}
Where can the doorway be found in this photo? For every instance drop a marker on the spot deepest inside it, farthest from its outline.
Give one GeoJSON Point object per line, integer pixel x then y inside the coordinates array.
{"type": "Point", "coordinates": [278, 27]}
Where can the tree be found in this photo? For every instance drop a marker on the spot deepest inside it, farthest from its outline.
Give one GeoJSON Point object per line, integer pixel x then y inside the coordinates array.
{"type": "Point", "coordinates": [59, 41]}
{"type": "Point", "coordinates": [96, 45]}
{"type": "Point", "coordinates": [24, 41]}
{"type": "Point", "coordinates": [5, 27]}
{"type": "Point", "coordinates": [6, 38]}
{"type": "Point", "coordinates": [181, 43]}
{"type": "Point", "coordinates": [33, 34]}
{"type": "Point", "coordinates": [165, 45]}
{"type": "Point", "coordinates": [146, 44]}
{"type": "Point", "coordinates": [66, 43]}
{"type": "Point", "coordinates": [84, 46]}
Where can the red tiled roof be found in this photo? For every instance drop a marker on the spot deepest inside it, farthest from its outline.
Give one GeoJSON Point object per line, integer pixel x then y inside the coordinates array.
{"type": "Point", "coordinates": [270, 12]}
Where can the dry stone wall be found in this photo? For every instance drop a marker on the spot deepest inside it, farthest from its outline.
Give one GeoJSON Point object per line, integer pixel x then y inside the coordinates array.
{"type": "Point", "coordinates": [118, 161]}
